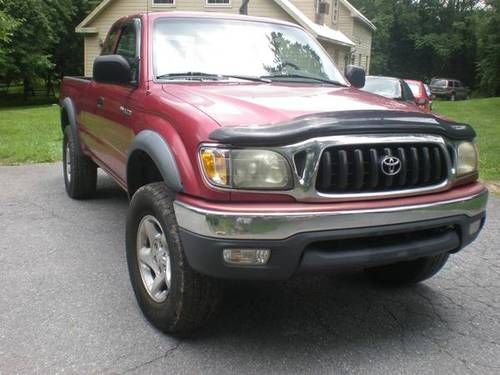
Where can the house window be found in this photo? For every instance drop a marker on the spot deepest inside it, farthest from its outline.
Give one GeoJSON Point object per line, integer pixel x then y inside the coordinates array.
{"type": "Point", "coordinates": [218, 3]}
{"type": "Point", "coordinates": [335, 11]}
{"type": "Point", "coordinates": [163, 3]}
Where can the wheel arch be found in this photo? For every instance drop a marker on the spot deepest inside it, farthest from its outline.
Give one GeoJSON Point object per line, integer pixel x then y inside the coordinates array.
{"type": "Point", "coordinates": [68, 116]}
{"type": "Point", "coordinates": [150, 159]}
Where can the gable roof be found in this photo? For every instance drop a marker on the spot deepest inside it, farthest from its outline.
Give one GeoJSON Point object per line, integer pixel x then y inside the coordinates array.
{"type": "Point", "coordinates": [357, 14]}
{"type": "Point", "coordinates": [319, 31]}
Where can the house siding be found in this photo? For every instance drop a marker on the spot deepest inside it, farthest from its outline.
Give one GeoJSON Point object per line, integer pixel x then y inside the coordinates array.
{"type": "Point", "coordinates": [362, 36]}
{"type": "Point", "coordinates": [346, 23]}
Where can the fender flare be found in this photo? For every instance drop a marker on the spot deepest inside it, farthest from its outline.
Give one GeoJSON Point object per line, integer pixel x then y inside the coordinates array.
{"type": "Point", "coordinates": [68, 106]}
{"type": "Point", "coordinates": [158, 150]}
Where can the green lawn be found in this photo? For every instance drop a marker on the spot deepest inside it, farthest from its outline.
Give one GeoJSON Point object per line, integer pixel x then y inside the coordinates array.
{"type": "Point", "coordinates": [30, 134]}
{"type": "Point", "coordinates": [484, 116]}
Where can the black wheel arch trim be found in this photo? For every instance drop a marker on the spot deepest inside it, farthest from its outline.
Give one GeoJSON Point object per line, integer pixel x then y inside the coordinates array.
{"type": "Point", "coordinates": [158, 150]}
{"type": "Point", "coordinates": [68, 107]}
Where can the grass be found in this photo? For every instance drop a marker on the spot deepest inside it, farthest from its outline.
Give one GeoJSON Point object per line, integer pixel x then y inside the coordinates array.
{"type": "Point", "coordinates": [30, 134]}
{"type": "Point", "coordinates": [484, 116]}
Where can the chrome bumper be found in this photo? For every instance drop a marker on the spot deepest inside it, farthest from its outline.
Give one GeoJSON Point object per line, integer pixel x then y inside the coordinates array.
{"type": "Point", "coordinates": [278, 226]}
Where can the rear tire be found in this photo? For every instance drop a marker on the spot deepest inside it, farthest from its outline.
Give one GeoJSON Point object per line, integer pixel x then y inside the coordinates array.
{"type": "Point", "coordinates": [80, 172]}
{"type": "Point", "coordinates": [182, 300]}
{"type": "Point", "coordinates": [410, 272]}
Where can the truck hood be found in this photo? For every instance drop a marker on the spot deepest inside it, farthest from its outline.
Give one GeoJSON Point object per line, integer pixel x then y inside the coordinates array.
{"type": "Point", "coordinates": [255, 104]}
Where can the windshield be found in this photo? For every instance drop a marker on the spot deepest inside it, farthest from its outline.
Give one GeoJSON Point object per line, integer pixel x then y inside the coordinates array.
{"type": "Point", "coordinates": [415, 88]}
{"type": "Point", "coordinates": [237, 48]}
{"type": "Point", "coordinates": [439, 82]}
{"type": "Point", "coordinates": [388, 87]}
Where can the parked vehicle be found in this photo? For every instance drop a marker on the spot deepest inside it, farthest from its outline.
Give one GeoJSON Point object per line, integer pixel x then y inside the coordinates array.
{"type": "Point", "coordinates": [256, 160]}
{"type": "Point", "coordinates": [420, 93]}
{"type": "Point", "coordinates": [451, 89]}
{"type": "Point", "coordinates": [389, 87]}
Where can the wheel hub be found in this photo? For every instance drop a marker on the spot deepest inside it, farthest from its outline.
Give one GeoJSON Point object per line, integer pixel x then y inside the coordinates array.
{"type": "Point", "coordinates": [153, 258]}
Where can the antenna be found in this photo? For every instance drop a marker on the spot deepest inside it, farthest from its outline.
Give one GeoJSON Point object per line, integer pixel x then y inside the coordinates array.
{"type": "Point", "coordinates": [146, 34]}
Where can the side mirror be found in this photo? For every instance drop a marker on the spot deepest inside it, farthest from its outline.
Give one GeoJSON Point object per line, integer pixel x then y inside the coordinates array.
{"type": "Point", "coordinates": [112, 69]}
{"type": "Point", "coordinates": [421, 101]}
{"type": "Point", "coordinates": [355, 75]}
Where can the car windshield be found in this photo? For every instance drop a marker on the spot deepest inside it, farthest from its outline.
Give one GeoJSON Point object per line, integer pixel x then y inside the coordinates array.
{"type": "Point", "coordinates": [388, 87]}
{"type": "Point", "coordinates": [415, 88]}
{"type": "Point", "coordinates": [188, 48]}
{"type": "Point", "coordinates": [439, 82]}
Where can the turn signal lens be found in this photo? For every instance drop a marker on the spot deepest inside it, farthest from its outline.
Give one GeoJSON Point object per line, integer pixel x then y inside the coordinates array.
{"type": "Point", "coordinates": [246, 257]}
{"type": "Point", "coordinates": [215, 165]}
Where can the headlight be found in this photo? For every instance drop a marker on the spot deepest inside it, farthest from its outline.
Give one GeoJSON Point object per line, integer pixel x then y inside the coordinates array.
{"type": "Point", "coordinates": [245, 169]}
{"type": "Point", "coordinates": [467, 158]}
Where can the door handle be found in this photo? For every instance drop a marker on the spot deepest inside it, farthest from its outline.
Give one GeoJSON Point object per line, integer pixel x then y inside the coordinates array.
{"type": "Point", "coordinates": [125, 110]}
{"type": "Point", "coordinates": [100, 102]}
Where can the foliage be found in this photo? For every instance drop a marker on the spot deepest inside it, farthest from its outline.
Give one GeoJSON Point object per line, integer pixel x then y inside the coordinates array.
{"type": "Point", "coordinates": [488, 35]}
{"type": "Point", "coordinates": [38, 40]}
{"type": "Point", "coordinates": [427, 38]}
{"type": "Point", "coordinates": [483, 115]}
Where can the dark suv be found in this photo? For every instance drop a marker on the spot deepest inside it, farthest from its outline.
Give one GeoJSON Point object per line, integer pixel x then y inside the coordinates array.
{"type": "Point", "coordinates": [451, 89]}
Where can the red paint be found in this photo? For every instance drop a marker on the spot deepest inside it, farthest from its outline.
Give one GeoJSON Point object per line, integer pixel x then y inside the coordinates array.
{"type": "Point", "coordinates": [422, 100]}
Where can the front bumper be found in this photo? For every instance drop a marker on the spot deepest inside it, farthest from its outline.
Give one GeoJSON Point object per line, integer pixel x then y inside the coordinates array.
{"type": "Point", "coordinates": [329, 240]}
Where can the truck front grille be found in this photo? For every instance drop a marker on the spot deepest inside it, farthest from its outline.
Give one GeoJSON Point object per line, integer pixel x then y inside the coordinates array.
{"type": "Point", "coordinates": [380, 168]}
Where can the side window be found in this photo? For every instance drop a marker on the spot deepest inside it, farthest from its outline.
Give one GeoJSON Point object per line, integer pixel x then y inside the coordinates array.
{"type": "Point", "coordinates": [407, 93]}
{"type": "Point", "coordinates": [128, 48]}
{"type": "Point", "coordinates": [109, 44]}
{"type": "Point", "coordinates": [458, 84]}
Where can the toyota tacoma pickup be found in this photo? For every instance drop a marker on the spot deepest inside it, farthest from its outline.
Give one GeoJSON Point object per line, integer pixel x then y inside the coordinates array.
{"type": "Point", "coordinates": [247, 155]}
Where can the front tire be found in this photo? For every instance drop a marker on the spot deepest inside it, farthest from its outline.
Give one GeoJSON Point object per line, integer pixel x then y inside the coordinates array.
{"type": "Point", "coordinates": [80, 172]}
{"type": "Point", "coordinates": [410, 272]}
{"type": "Point", "coordinates": [172, 296]}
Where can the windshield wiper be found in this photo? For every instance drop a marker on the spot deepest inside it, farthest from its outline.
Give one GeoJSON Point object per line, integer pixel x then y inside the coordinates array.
{"type": "Point", "coordinates": [211, 76]}
{"type": "Point", "coordinates": [249, 78]}
{"type": "Point", "coordinates": [303, 76]}
{"type": "Point", "coordinates": [190, 75]}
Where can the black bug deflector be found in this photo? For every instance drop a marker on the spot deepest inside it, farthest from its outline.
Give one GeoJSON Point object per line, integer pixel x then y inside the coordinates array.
{"type": "Point", "coordinates": [341, 123]}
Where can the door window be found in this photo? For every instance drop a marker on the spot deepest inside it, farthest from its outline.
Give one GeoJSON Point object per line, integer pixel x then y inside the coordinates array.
{"type": "Point", "coordinates": [108, 46]}
{"type": "Point", "coordinates": [128, 47]}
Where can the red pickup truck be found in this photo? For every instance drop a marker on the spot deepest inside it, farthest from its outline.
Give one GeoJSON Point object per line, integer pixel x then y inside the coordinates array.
{"type": "Point", "coordinates": [248, 155]}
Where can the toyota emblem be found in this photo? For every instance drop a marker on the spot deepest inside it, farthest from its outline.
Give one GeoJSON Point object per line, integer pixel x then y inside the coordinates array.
{"type": "Point", "coordinates": [390, 165]}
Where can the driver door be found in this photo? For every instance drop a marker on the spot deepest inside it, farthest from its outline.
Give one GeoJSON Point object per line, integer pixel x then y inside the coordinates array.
{"type": "Point", "coordinates": [112, 126]}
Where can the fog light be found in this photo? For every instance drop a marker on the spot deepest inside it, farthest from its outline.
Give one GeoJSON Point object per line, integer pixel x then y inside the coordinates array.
{"type": "Point", "coordinates": [474, 227]}
{"type": "Point", "coordinates": [249, 257]}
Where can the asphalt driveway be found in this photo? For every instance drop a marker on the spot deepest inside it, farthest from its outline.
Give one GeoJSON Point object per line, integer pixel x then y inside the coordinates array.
{"type": "Point", "coordinates": [66, 304]}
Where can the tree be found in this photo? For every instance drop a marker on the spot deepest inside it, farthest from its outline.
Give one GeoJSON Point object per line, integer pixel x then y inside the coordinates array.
{"type": "Point", "coordinates": [488, 36]}
{"type": "Point", "coordinates": [7, 27]}
{"type": "Point", "coordinates": [26, 55]}
{"type": "Point", "coordinates": [38, 40]}
{"type": "Point", "coordinates": [426, 38]}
